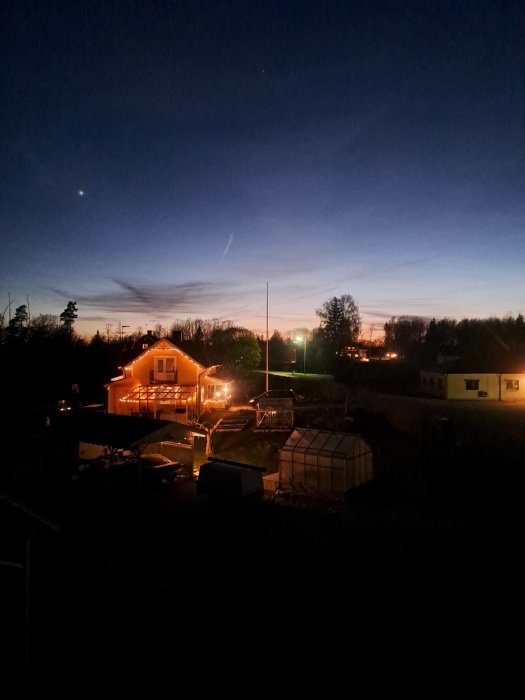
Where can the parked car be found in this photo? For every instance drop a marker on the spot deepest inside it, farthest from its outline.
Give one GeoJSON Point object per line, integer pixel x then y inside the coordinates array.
{"type": "Point", "coordinates": [158, 469]}
{"type": "Point", "coordinates": [275, 394]}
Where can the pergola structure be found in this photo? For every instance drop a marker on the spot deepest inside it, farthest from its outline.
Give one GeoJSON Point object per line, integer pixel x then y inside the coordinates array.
{"type": "Point", "coordinates": [151, 396]}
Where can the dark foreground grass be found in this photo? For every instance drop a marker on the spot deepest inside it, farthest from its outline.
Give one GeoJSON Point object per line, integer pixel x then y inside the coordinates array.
{"type": "Point", "coordinates": [415, 582]}
{"type": "Point", "coordinates": [163, 591]}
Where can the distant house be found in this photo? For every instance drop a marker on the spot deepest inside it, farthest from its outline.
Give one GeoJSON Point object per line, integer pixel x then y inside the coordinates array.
{"type": "Point", "coordinates": [474, 385]}
{"type": "Point", "coordinates": [163, 380]}
{"type": "Point", "coordinates": [146, 341]}
{"type": "Point", "coordinates": [356, 352]}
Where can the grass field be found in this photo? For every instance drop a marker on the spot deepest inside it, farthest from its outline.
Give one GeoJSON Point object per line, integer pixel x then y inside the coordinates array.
{"type": "Point", "coordinates": [319, 393]}
{"type": "Point", "coordinates": [250, 447]}
{"type": "Point", "coordinates": [299, 375]}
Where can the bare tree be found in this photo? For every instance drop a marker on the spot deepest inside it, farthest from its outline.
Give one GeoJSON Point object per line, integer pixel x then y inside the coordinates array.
{"type": "Point", "coordinates": [209, 430]}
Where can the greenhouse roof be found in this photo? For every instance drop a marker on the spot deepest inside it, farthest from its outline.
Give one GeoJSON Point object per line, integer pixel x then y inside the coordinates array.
{"type": "Point", "coordinates": [322, 442]}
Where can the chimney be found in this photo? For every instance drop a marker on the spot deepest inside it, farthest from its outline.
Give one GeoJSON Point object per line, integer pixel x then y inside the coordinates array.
{"type": "Point", "coordinates": [176, 337]}
{"type": "Point", "coordinates": [150, 333]}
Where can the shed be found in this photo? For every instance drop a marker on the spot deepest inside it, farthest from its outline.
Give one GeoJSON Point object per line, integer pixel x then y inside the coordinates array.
{"type": "Point", "coordinates": [229, 479]}
{"type": "Point", "coordinates": [324, 463]}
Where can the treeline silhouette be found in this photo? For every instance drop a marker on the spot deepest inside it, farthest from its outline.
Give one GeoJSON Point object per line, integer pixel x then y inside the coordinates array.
{"type": "Point", "coordinates": [495, 342]}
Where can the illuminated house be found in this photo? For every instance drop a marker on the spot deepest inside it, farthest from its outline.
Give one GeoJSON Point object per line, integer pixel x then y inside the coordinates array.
{"type": "Point", "coordinates": [165, 380]}
{"type": "Point", "coordinates": [471, 385]}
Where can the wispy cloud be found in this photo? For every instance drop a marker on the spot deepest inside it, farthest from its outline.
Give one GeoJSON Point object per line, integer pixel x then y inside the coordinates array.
{"type": "Point", "coordinates": [415, 306]}
{"type": "Point", "coordinates": [158, 299]}
{"type": "Point", "coordinates": [142, 295]}
{"type": "Point", "coordinates": [225, 300]}
{"type": "Point", "coordinates": [276, 265]}
{"type": "Point", "coordinates": [231, 238]}
{"type": "Point", "coordinates": [96, 319]}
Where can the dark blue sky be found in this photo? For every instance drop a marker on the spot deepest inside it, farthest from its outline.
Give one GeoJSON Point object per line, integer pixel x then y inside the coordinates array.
{"type": "Point", "coordinates": [166, 159]}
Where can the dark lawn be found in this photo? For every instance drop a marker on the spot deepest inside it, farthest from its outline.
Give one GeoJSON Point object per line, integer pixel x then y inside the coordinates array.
{"type": "Point", "coordinates": [416, 581]}
{"type": "Point", "coordinates": [151, 592]}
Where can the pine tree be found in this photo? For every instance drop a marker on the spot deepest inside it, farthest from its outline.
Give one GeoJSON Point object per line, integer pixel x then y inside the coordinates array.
{"type": "Point", "coordinates": [18, 323]}
{"type": "Point", "coordinates": [68, 316]}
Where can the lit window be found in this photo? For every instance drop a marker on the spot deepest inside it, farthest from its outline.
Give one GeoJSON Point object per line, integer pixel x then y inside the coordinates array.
{"type": "Point", "coordinates": [512, 384]}
{"type": "Point", "coordinates": [214, 392]}
{"type": "Point", "coordinates": [472, 384]}
{"type": "Point", "coordinates": [164, 368]}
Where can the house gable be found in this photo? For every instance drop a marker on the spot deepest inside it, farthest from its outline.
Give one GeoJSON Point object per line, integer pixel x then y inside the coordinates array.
{"type": "Point", "coordinates": [185, 368]}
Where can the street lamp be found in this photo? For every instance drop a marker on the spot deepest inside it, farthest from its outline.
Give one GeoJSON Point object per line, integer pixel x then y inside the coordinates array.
{"type": "Point", "coordinates": [300, 339]}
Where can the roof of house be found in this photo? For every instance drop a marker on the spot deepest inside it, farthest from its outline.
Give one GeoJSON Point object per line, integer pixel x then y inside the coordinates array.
{"type": "Point", "coordinates": [323, 442]}
{"type": "Point", "coordinates": [126, 432]}
{"type": "Point", "coordinates": [463, 366]}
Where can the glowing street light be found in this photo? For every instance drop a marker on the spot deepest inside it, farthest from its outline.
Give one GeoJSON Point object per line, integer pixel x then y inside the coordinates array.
{"type": "Point", "coordinates": [300, 339]}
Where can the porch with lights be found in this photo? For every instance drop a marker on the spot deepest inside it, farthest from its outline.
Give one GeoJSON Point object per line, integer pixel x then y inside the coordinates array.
{"type": "Point", "coordinates": [151, 399]}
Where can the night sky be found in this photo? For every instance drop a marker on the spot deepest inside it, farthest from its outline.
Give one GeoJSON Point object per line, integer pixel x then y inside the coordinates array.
{"type": "Point", "coordinates": [161, 160]}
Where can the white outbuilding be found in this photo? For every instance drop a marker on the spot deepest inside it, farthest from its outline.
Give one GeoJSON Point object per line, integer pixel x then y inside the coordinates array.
{"type": "Point", "coordinates": [324, 463]}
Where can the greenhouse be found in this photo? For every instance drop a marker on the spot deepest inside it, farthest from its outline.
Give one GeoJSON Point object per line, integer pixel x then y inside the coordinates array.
{"type": "Point", "coordinates": [324, 463]}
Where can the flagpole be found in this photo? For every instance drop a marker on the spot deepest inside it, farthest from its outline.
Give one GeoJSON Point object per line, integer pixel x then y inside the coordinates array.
{"type": "Point", "coordinates": [266, 336]}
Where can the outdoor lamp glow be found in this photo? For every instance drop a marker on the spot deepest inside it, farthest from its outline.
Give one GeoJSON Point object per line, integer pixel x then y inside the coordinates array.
{"type": "Point", "coordinates": [300, 339]}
